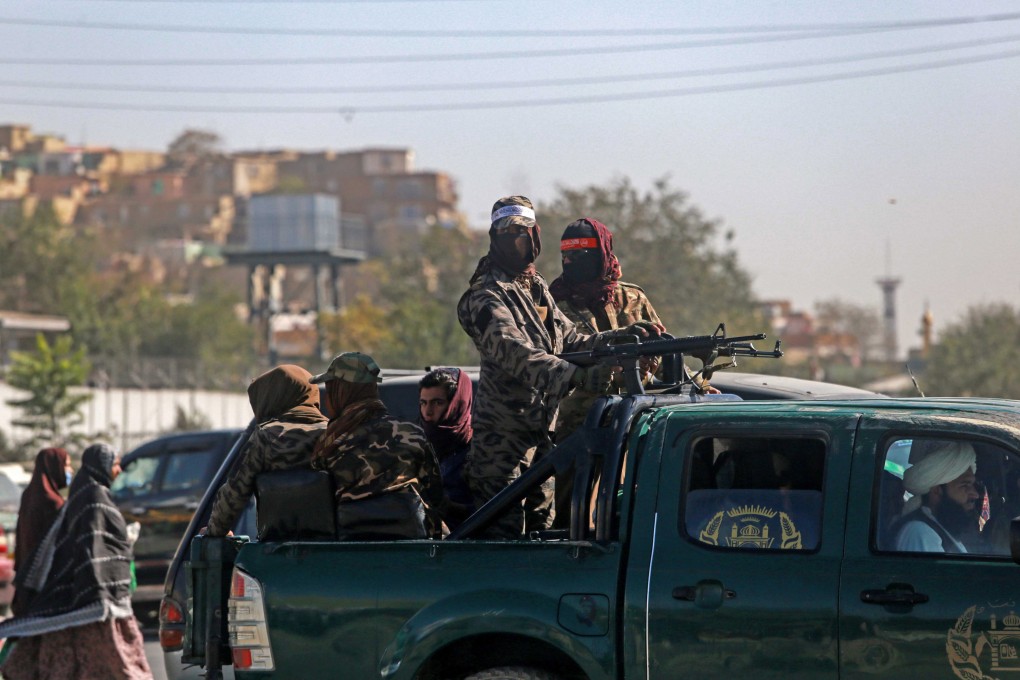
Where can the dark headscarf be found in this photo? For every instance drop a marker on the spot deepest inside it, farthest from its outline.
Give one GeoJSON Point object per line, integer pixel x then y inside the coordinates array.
{"type": "Point", "coordinates": [599, 290]}
{"type": "Point", "coordinates": [285, 393]}
{"type": "Point", "coordinates": [97, 465]}
{"type": "Point", "coordinates": [453, 431]}
{"type": "Point", "coordinates": [80, 573]}
{"type": "Point", "coordinates": [351, 405]}
{"type": "Point", "coordinates": [40, 503]}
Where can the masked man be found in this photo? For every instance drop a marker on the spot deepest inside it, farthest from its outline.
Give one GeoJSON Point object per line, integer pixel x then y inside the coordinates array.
{"type": "Point", "coordinates": [514, 322]}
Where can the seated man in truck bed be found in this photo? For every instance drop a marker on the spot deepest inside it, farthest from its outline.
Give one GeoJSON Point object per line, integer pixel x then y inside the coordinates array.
{"type": "Point", "coordinates": [384, 470]}
{"type": "Point", "coordinates": [286, 408]}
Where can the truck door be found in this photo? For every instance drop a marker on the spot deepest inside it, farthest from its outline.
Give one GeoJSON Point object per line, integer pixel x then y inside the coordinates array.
{"type": "Point", "coordinates": [928, 587]}
{"type": "Point", "coordinates": [746, 546]}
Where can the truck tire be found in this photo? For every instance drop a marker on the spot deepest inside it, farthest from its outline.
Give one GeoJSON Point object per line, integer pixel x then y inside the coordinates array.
{"type": "Point", "coordinates": [512, 673]}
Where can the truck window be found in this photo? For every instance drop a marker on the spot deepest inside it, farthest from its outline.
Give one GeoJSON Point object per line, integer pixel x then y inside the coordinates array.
{"type": "Point", "coordinates": [938, 496]}
{"type": "Point", "coordinates": [758, 493]}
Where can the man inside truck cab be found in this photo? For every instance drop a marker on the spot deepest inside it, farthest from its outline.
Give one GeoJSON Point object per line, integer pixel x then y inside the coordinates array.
{"type": "Point", "coordinates": [944, 507]}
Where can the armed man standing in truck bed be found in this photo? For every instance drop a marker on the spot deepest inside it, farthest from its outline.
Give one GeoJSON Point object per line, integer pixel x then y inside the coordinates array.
{"type": "Point", "coordinates": [513, 320]}
{"type": "Point", "coordinates": [590, 293]}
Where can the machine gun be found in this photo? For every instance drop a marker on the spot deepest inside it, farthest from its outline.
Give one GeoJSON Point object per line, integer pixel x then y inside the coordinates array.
{"type": "Point", "coordinates": [706, 348]}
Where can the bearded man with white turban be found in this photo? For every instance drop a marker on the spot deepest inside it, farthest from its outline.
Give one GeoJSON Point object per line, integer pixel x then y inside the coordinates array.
{"type": "Point", "coordinates": [944, 504]}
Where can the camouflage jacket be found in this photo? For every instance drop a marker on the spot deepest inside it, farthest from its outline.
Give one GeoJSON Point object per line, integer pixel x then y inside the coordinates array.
{"type": "Point", "coordinates": [274, 445]}
{"type": "Point", "coordinates": [384, 454]}
{"type": "Point", "coordinates": [521, 382]}
{"type": "Point", "coordinates": [633, 306]}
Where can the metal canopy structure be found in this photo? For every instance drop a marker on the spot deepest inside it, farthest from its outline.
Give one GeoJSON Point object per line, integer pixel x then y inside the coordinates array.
{"type": "Point", "coordinates": [264, 297]}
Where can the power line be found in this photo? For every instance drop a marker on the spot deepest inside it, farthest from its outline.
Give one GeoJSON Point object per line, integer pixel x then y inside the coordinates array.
{"type": "Point", "coordinates": [349, 111]}
{"type": "Point", "coordinates": [460, 56]}
{"type": "Point", "coordinates": [286, 2]}
{"type": "Point", "coordinates": [510, 84]}
{"type": "Point", "coordinates": [488, 33]}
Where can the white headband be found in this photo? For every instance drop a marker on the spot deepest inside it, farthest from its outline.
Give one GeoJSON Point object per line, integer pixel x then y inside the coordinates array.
{"type": "Point", "coordinates": [508, 210]}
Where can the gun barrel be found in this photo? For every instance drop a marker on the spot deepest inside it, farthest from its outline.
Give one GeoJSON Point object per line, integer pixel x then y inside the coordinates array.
{"type": "Point", "coordinates": [693, 345]}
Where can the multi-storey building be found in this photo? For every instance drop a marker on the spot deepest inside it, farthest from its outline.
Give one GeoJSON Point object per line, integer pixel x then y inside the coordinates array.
{"type": "Point", "coordinates": [396, 201]}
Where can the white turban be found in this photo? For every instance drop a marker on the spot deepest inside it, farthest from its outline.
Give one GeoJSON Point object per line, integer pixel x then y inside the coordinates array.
{"type": "Point", "coordinates": [941, 463]}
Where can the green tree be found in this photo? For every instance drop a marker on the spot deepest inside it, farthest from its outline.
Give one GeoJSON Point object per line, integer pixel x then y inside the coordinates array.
{"type": "Point", "coordinates": [51, 410]}
{"type": "Point", "coordinates": [361, 326]}
{"type": "Point", "coordinates": [841, 319]}
{"type": "Point", "coordinates": [407, 318]}
{"type": "Point", "coordinates": [425, 287]}
{"type": "Point", "coordinates": [978, 356]}
{"type": "Point", "coordinates": [189, 420]}
{"type": "Point", "coordinates": [117, 314]}
{"type": "Point", "coordinates": [9, 453]}
{"type": "Point", "coordinates": [42, 262]}
{"type": "Point", "coordinates": [192, 146]}
{"type": "Point", "coordinates": [206, 330]}
{"type": "Point", "coordinates": [685, 262]}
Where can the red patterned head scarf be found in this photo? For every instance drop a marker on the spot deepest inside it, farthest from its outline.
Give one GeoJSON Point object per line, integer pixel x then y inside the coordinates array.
{"type": "Point", "coordinates": [587, 233]}
{"type": "Point", "coordinates": [453, 431]}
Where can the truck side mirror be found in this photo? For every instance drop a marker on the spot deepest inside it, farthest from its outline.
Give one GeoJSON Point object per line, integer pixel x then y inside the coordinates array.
{"type": "Point", "coordinates": [1014, 539]}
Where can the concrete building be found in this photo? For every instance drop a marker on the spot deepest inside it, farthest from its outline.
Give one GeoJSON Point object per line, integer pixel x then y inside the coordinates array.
{"type": "Point", "coordinates": [14, 138]}
{"type": "Point", "coordinates": [804, 341]}
{"type": "Point", "coordinates": [381, 185]}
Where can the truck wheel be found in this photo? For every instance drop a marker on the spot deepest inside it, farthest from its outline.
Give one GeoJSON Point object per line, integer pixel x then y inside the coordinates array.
{"type": "Point", "coordinates": [512, 673]}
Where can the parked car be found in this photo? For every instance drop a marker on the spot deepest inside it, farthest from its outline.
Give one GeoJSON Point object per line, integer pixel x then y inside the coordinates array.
{"type": "Point", "coordinates": [160, 486]}
{"type": "Point", "coordinates": [6, 575]}
{"type": "Point", "coordinates": [13, 480]}
{"type": "Point", "coordinates": [401, 396]}
{"type": "Point", "coordinates": [10, 501]}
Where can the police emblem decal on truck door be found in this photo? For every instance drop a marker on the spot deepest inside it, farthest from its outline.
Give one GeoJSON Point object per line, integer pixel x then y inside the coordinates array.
{"type": "Point", "coordinates": [752, 526]}
{"type": "Point", "coordinates": [1001, 642]}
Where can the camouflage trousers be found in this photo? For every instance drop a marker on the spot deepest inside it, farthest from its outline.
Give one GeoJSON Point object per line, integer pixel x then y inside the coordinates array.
{"type": "Point", "coordinates": [497, 459]}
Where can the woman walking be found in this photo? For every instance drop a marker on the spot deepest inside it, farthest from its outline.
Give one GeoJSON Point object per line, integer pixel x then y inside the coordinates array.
{"type": "Point", "coordinates": [40, 504]}
{"type": "Point", "coordinates": [79, 623]}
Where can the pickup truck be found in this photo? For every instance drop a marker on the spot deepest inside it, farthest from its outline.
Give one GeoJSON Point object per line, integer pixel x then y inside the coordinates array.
{"type": "Point", "coordinates": [709, 538]}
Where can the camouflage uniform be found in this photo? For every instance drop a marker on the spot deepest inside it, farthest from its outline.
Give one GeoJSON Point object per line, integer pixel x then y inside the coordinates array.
{"type": "Point", "coordinates": [383, 454]}
{"type": "Point", "coordinates": [517, 331]}
{"type": "Point", "coordinates": [374, 453]}
{"type": "Point", "coordinates": [275, 445]}
{"type": "Point", "coordinates": [633, 306]}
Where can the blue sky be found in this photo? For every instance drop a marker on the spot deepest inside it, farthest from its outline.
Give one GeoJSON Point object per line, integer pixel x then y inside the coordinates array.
{"type": "Point", "coordinates": [805, 174]}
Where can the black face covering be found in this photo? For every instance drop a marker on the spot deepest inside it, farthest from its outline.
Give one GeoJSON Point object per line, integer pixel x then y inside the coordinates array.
{"type": "Point", "coordinates": [585, 265]}
{"type": "Point", "coordinates": [514, 252]}
{"type": "Point", "coordinates": [517, 247]}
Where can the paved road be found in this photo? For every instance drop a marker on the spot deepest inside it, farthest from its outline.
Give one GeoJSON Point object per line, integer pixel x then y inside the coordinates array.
{"type": "Point", "coordinates": [154, 653]}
